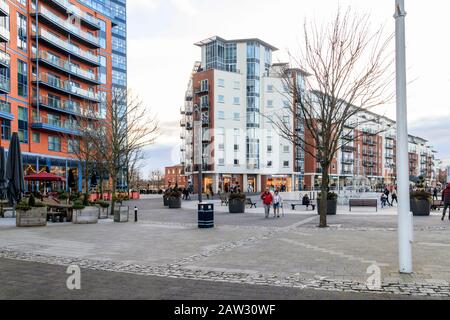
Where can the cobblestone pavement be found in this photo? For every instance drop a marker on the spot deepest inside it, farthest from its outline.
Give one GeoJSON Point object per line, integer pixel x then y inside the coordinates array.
{"type": "Point", "coordinates": [248, 250]}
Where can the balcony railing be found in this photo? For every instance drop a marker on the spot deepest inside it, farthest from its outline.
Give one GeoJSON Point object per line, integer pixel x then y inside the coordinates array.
{"type": "Point", "coordinates": [68, 47]}
{"type": "Point", "coordinates": [5, 84]}
{"type": "Point", "coordinates": [76, 11]}
{"type": "Point", "coordinates": [5, 110]}
{"type": "Point", "coordinates": [4, 34]}
{"type": "Point", "coordinates": [5, 59]}
{"type": "Point", "coordinates": [56, 125]}
{"type": "Point", "coordinates": [4, 8]}
{"type": "Point", "coordinates": [389, 146]}
{"type": "Point", "coordinates": [67, 66]}
{"type": "Point", "coordinates": [66, 106]}
{"type": "Point", "coordinates": [348, 160]}
{"type": "Point", "coordinates": [348, 148]}
{"type": "Point", "coordinates": [203, 89]}
{"type": "Point", "coordinates": [347, 172]}
{"type": "Point", "coordinates": [68, 26]}
{"type": "Point", "coordinates": [66, 87]}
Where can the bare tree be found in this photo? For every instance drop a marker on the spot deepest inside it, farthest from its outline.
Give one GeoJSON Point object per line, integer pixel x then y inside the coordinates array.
{"type": "Point", "coordinates": [130, 126]}
{"type": "Point", "coordinates": [346, 70]}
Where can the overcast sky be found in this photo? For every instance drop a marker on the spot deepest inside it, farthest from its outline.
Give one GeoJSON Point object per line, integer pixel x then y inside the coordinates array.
{"type": "Point", "coordinates": [161, 54]}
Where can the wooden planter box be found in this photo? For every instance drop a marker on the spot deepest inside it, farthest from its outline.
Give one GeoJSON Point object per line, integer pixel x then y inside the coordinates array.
{"type": "Point", "coordinates": [174, 203]}
{"type": "Point", "coordinates": [236, 206]}
{"type": "Point", "coordinates": [35, 217]}
{"type": "Point", "coordinates": [88, 215]}
{"type": "Point", "coordinates": [104, 213]}
{"type": "Point", "coordinates": [420, 207]}
{"type": "Point", "coordinates": [331, 207]}
{"type": "Point", "coordinates": [135, 195]}
{"type": "Point", "coordinates": [121, 213]}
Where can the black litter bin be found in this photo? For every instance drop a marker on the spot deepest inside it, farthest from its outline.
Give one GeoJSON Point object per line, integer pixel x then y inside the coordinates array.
{"type": "Point", "coordinates": [206, 215]}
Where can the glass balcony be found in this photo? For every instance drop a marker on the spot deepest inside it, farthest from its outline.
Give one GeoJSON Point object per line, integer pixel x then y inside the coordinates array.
{"type": "Point", "coordinates": [67, 26]}
{"type": "Point", "coordinates": [5, 60]}
{"type": "Point", "coordinates": [4, 34]}
{"type": "Point", "coordinates": [71, 9]}
{"type": "Point", "coordinates": [5, 110]}
{"type": "Point", "coordinates": [67, 67]}
{"type": "Point", "coordinates": [66, 87]}
{"type": "Point", "coordinates": [68, 47]}
{"type": "Point", "coordinates": [65, 106]}
{"type": "Point", "coordinates": [60, 126]}
{"type": "Point", "coordinates": [5, 85]}
{"type": "Point", "coordinates": [4, 8]}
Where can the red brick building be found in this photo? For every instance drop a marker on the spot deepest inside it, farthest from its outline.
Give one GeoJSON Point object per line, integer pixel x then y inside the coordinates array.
{"type": "Point", "coordinates": [174, 175]}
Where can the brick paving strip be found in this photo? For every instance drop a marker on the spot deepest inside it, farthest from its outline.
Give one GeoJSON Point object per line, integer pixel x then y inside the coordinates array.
{"type": "Point", "coordinates": [177, 271]}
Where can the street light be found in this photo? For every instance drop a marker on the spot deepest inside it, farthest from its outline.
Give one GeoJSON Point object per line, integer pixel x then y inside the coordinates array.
{"type": "Point", "coordinates": [405, 223]}
{"type": "Point", "coordinates": [199, 126]}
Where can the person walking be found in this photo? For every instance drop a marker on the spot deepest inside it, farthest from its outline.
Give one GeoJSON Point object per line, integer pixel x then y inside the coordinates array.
{"type": "Point", "coordinates": [277, 204]}
{"type": "Point", "coordinates": [383, 200]}
{"type": "Point", "coordinates": [435, 193]}
{"type": "Point", "coordinates": [394, 197]}
{"type": "Point", "coordinates": [446, 200]}
{"type": "Point", "coordinates": [386, 193]}
{"type": "Point", "coordinates": [267, 199]}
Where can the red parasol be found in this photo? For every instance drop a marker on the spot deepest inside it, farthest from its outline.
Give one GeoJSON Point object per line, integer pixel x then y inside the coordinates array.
{"type": "Point", "coordinates": [44, 176]}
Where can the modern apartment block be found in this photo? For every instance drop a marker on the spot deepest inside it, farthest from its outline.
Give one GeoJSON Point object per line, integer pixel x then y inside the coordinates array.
{"type": "Point", "coordinates": [235, 90]}
{"type": "Point", "coordinates": [55, 67]}
{"type": "Point", "coordinates": [232, 96]}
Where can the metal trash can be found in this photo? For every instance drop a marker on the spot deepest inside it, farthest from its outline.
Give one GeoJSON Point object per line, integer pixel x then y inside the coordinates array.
{"type": "Point", "coordinates": [205, 215]}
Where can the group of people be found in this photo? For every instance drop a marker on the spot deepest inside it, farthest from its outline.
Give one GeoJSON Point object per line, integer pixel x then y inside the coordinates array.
{"type": "Point", "coordinates": [272, 200]}
{"type": "Point", "coordinates": [385, 197]}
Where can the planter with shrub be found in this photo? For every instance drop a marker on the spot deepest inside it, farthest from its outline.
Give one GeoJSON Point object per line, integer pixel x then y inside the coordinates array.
{"type": "Point", "coordinates": [104, 209]}
{"type": "Point", "coordinates": [85, 214]}
{"type": "Point", "coordinates": [331, 203]}
{"type": "Point", "coordinates": [420, 200]}
{"type": "Point", "coordinates": [174, 199]}
{"type": "Point", "coordinates": [121, 213]}
{"type": "Point", "coordinates": [236, 203]}
{"type": "Point", "coordinates": [31, 213]}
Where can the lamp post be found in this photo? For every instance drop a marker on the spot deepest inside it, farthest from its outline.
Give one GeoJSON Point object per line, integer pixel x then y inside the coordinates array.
{"type": "Point", "coordinates": [200, 148]}
{"type": "Point", "coordinates": [405, 223]}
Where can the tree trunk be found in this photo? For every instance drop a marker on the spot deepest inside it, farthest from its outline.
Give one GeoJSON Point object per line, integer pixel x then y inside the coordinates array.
{"type": "Point", "coordinates": [113, 194]}
{"type": "Point", "coordinates": [324, 197]}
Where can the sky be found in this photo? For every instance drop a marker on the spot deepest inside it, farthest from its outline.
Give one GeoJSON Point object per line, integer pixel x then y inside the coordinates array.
{"type": "Point", "coordinates": [161, 54]}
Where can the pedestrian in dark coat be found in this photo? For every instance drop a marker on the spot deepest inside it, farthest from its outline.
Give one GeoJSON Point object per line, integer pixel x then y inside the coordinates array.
{"type": "Point", "coordinates": [446, 200]}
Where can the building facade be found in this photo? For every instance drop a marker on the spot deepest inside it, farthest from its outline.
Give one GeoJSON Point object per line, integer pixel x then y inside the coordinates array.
{"type": "Point", "coordinates": [234, 94]}
{"type": "Point", "coordinates": [173, 176]}
{"type": "Point", "coordinates": [56, 59]}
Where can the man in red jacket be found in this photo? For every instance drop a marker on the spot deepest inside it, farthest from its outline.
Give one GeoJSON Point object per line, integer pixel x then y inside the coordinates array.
{"type": "Point", "coordinates": [446, 199]}
{"type": "Point", "coordinates": [267, 199]}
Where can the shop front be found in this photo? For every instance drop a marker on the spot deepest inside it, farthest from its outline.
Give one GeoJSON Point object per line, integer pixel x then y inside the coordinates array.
{"type": "Point", "coordinates": [252, 185]}
{"type": "Point", "coordinates": [229, 181]}
{"type": "Point", "coordinates": [282, 183]}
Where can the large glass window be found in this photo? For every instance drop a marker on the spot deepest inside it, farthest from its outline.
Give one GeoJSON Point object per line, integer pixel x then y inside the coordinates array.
{"type": "Point", "coordinates": [54, 143]}
{"type": "Point", "coordinates": [6, 129]}
{"type": "Point", "coordinates": [22, 79]}
{"type": "Point", "coordinates": [21, 31]}
{"type": "Point", "coordinates": [102, 70]}
{"type": "Point", "coordinates": [23, 125]}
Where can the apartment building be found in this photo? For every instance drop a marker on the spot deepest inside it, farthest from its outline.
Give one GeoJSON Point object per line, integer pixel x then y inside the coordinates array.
{"type": "Point", "coordinates": [56, 66]}
{"type": "Point", "coordinates": [233, 95]}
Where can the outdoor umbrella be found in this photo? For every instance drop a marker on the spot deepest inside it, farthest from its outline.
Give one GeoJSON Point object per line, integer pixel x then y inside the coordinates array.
{"type": "Point", "coordinates": [2, 176]}
{"type": "Point", "coordinates": [14, 171]}
{"type": "Point", "coordinates": [44, 176]}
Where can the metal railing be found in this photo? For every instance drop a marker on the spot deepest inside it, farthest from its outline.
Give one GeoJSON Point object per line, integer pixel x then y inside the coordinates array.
{"type": "Point", "coordinates": [5, 84]}
{"type": "Point", "coordinates": [5, 59]}
{"type": "Point", "coordinates": [56, 123]}
{"type": "Point", "coordinates": [78, 12]}
{"type": "Point", "coordinates": [5, 106]}
{"type": "Point", "coordinates": [4, 34]}
{"type": "Point", "coordinates": [4, 7]}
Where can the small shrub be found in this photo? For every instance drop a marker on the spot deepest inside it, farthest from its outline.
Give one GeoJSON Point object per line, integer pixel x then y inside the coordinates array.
{"type": "Point", "coordinates": [31, 201]}
{"type": "Point", "coordinates": [86, 199]}
{"type": "Point", "coordinates": [237, 196]}
{"type": "Point", "coordinates": [63, 196]}
{"type": "Point", "coordinates": [421, 195]}
{"type": "Point", "coordinates": [174, 194]}
{"type": "Point", "coordinates": [78, 206]}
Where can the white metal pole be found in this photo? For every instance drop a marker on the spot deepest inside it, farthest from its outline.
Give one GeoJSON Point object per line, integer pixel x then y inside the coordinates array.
{"type": "Point", "coordinates": [405, 223]}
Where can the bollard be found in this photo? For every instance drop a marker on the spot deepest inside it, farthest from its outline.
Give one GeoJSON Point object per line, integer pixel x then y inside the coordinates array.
{"type": "Point", "coordinates": [135, 214]}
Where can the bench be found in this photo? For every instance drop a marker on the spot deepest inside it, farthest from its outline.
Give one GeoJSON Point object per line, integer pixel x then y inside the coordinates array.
{"type": "Point", "coordinates": [363, 203]}
{"type": "Point", "coordinates": [249, 201]}
{"type": "Point", "coordinates": [7, 209]}
{"type": "Point", "coordinates": [437, 204]}
{"type": "Point", "coordinates": [313, 206]}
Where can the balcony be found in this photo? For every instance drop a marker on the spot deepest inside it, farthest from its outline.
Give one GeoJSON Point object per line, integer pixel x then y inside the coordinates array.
{"type": "Point", "coordinates": [369, 142]}
{"type": "Point", "coordinates": [182, 124]}
{"type": "Point", "coordinates": [347, 172]}
{"type": "Point", "coordinates": [348, 149]}
{"type": "Point", "coordinates": [205, 106]}
{"type": "Point", "coordinates": [66, 66]}
{"type": "Point", "coordinates": [369, 164]}
{"type": "Point", "coordinates": [84, 17]}
{"type": "Point", "coordinates": [59, 126]}
{"type": "Point", "coordinates": [67, 47]}
{"type": "Point", "coordinates": [66, 87]}
{"type": "Point", "coordinates": [348, 160]}
{"type": "Point", "coordinates": [66, 107]}
{"type": "Point", "coordinates": [5, 85]}
{"type": "Point", "coordinates": [5, 110]}
{"type": "Point", "coordinates": [5, 60]}
{"type": "Point", "coordinates": [67, 26]}
{"type": "Point", "coordinates": [349, 137]}
{"type": "Point", "coordinates": [202, 90]}
{"type": "Point", "coordinates": [389, 146]}
{"type": "Point", "coordinates": [4, 34]}
{"type": "Point", "coordinates": [389, 156]}
{"type": "Point", "coordinates": [4, 8]}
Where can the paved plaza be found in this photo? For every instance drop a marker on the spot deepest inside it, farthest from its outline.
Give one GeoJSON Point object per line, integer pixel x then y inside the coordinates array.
{"type": "Point", "coordinates": [165, 256]}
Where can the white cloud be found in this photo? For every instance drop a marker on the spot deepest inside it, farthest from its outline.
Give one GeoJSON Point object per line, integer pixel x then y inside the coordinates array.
{"type": "Point", "coordinates": [151, 5]}
{"type": "Point", "coordinates": [184, 6]}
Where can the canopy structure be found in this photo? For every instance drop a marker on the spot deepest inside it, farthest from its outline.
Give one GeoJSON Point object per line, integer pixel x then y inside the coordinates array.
{"type": "Point", "coordinates": [44, 176]}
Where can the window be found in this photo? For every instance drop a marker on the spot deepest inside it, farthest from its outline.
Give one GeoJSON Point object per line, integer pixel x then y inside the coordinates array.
{"type": "Point", "coordinates": [36, 136]}
{"type": "Point", "coordinates": [269, 148]}
{"type": "Point", "coordinates": [23, 125]}
{"type": "Point", "coordinates": [221, 162]}
{"type": "Point", "coordinates": [221, 146]}
{"type": "Point", "coordinates": [6, 129]}
{"type": "Point", "coordinates": [236, 116]}
{"type": "Point", "coordinates": [286, 104]}
{"type": "Point", "coordinates": [236, 162]}
{"type": "Point", "coordinates": [221, 115]}
{"type": "Point", "coordinates": [21, 31]}
{"type": "Point", "coordinates": [221, 83]}
{"type": "Point", "coordinates": [269, 164]}
{"type": "Point", "coordinates": [72, 145]}
{"type": "Point", "coordinates": [269, 88]}
{"type": "Point", "coordinates": [22, 79]}
{"type": "Point", "coordinates": [236, 101]}
{"type": "Point", "coordinates": [269, 103]}
{"type": "Point", "coordinates": [286, 149]}
{"type": "Point", "coordinates": [204, 85]}
{"type": "Point", "coordinates": [221, 99]}
{"type": "Point", "coordinates": [285, 164]}
{"type": "Point", "coordinates": [236, 147]}
{"type": "Point", "coordinates": [236, 132]}
{"type": "Point", "coordinates": [54, 143]}
{"type": "Point", "coordinates": [237, 85]}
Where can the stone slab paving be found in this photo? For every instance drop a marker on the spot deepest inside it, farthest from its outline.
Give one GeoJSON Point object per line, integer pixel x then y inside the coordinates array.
{"type": "Point", "coordinates": [246, 249]}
